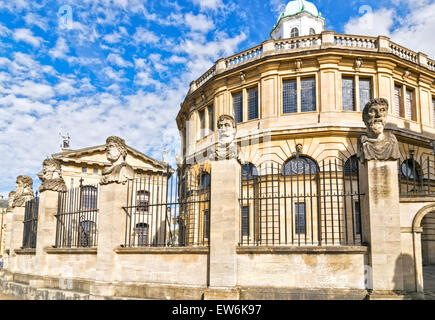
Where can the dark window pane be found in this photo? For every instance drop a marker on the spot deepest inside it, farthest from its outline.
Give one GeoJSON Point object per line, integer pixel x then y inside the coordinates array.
{"type": "Point", "coordinates": [299, 165]}
{"type": "Point", "coordinates": [294, 33]}
{"type": "Point", "coordinates": [351, 166]}
{"type": "Point", "coordinates": [211, 117]}
{"type": "Point", "coordinates": [365, 92]}
{"type": "Point", "coordinates": [245, 221]}
{"type": "Point", "coordinates": [348, 89]}
{"type": "Point", "coordinates": [238, 106]}
{"type": "Point", "coordinates": [308, 95]}
{"type": "Point", "coordinates": [202, 122]}
{"type": "Point", "coordinates": [88, 198]}
{"type": "Point", "coordinates": [289, 97]}
{"type": "Point", "coordinates": [252, 103]}
{"type": "Point", "coordinates": [249, 171]}
{"type": "Point", "coordinates": [357, 218]}
{"type": "Point", "coordinates": [206, 224]}
{"type": "Point", "coordinates": [300, 218]}
{"type": "Point", "coordinates": [142, 231]}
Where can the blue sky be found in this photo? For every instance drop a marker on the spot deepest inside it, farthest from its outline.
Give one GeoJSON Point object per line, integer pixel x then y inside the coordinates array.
{"type": "Point", "coordinates": [122, 67]}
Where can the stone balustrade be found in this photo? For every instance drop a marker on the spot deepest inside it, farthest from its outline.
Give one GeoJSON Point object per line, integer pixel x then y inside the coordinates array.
{"type": "Point", "coordinates": [356, 42]}
{"type": "Point", "coordinates": [403, 52]}
{"type": "Point", "coordinates": [244, 57]}
{"type": "Point", "coordinates": [327, 39]}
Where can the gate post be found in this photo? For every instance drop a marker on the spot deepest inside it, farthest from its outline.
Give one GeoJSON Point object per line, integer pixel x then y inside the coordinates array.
{"type": "Point", "coordinates": [378, 153]}
{"type": "Point", "coordinates": [224, 229]}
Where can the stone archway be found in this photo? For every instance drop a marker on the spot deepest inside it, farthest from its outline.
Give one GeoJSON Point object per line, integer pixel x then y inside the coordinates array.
{"type": "Point", "coordinates": [424, 251]}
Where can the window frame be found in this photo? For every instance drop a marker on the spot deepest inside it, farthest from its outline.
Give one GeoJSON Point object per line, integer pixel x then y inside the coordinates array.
{"type": "Point", "coordinates": [433, 110]}
{"type": "Point", "coordinates": [356, 93]}
{"type": "Point", "coordinates": [245, 102]}
{"type": "Point", "coordinates": [291, 32]}
{"type": "Point", "coordinates": [298, 79]}
{"type": "Point", "coordinates": [404, 88]}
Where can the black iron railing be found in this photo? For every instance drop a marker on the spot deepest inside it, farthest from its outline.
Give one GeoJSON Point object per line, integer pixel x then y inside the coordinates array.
{"type": "Point", "coordinates": [30, 223]}
{"type": "Point", "coordinates": [301, 203]}
{"type": "Point", "coordinates": [77, 217]}
{"type": "Point", "coordinates": [417, 175]}
{"type": "Point", "coordinates": [168, 209]}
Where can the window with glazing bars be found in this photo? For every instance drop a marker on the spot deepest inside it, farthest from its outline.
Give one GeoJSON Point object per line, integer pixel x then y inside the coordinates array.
{"type": "Point", "coordinates": [300, 218]}
{"type": "Point", "coordinates": [253, 103]}
{"type": "Point", "coordinates": [348, 89]}
{"type": "Point", "coordinates": [245, 221]}
{"type": "Point", "coordinates": [433, 112]}
{"type": "Point", "coordinates": [238, 106]}
{"type": "Point", "coordinates": [398, 101]}
{"type": "Point", "coordinates": [409, 102]}
{"type": "Point", "coordinates": [357, 218]}
{"type": "Point", "coordinates": [365, 92]}
{"type": "Point", "coordinates": [289, 97]}
{"type": "Point", "coordinates": [211, 117]}
{"type": "Point", "coordinates": [308, 94]}
{"type": "Point", "coordinates": [202, 122]}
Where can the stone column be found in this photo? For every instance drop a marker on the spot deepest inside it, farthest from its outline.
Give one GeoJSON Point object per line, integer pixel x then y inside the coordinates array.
{"type": "Point", "coordinates": [111, 234]}
{"type": "Point", "coordinates": [16, 237]}
{"type": "Point", "coordinates": [47, 223]}
{"type": "Point", "coordinates": [224, 229]}
{"type": "Point", "coordinates": [381, 224]}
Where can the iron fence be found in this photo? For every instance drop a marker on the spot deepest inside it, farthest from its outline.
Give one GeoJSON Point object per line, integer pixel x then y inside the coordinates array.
{"type": "Point", "coordinates": [417, 175]}
{"type": "Point", "coordinates": [30, 222]}
{"type": "Point", "coordinates": [77, 217]}
{"type": "Point", "coordinates": [301, 203]}
{"type": "Point", "coordinates": [168, 209]}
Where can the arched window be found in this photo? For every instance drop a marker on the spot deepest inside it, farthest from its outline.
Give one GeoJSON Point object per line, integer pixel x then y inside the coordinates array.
{"type": "Point", "coordinates": [351, 166]}
{"type": "Point", "coordinates": [86, 232]}
{"type": "Point", "coordinates": [88, 197]}
{"type": "Point", "coordinates": [300, 165]}
{"type": "Point", "coordinates": [142, 201]}
{"type": "Point", "coordinates": [249, 171]}
{"type": "Point", "coordinates": [142, 231]}
{"type": "Point", "coordinates": [294, 33]}
{"type": "Point", "coordinates": [411, 169]}
{"type": "Point", "coordinates": [312, 31]}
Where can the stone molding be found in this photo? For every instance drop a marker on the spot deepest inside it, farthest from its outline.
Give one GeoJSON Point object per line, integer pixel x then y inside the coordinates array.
{"type": "Point", "coordinates": [296, 250]}
{"type": "Point", "coordinates": [70, 250]}
{"type": "Point", "coordinates": [163, 250]}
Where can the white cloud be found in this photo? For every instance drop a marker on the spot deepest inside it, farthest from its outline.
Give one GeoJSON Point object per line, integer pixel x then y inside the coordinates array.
{"type": "Point", "coordinates": [145, 36]}
{"type": "Point", "coordinates": [117, 60]}
{"type": "Point", "coordinates": [4, 31]}
{"type": "Point", "coordinates": [27, 36]}
{"type": "Point", "coordinates": [33, 19]}
{"type": "Point", "coordinates": [209, 4]}
{"type": "Point", "coordinates": [412, 31]}
{"type": "Point", "coordinates": [60, 50]}
{"type": "Point", "coordinates": [33, 90]}
{"type": "Point", "coordinates": [199, 22]}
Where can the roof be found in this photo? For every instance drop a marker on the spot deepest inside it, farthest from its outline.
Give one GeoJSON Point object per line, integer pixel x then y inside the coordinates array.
{"type": "Point", "coordinates": [71, 155]}
{"type": "Point", "coordinates": [296, 7]}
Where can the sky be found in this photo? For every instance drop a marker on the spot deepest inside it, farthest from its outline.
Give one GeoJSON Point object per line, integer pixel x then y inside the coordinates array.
{"type": "Point", "coordinates": [96, 68]}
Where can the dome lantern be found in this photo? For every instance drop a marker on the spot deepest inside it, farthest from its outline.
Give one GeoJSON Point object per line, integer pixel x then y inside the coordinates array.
{"type": "Point", "coordinates": [299, 18]}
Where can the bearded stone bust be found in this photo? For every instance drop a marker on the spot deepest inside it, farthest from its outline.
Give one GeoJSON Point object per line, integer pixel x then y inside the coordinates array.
{"type": "Point", "coordinates": [23, 192]}
{"type": "Point", "coordinates": [377, 144]}
{"type": "Point", "coordinates": [119, 171]}
{"type": "Point", "coordinates": [51, 176]}
{"type": "Point", "coordinates": [11, 198]}
{"type": "Point", "coordinates": [226, 148]}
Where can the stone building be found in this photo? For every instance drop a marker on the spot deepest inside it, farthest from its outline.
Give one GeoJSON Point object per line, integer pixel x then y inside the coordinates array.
{"type": "Point", "coordinates": [307, 172]}
{"type": "Point", "coordinates": [3, 207]}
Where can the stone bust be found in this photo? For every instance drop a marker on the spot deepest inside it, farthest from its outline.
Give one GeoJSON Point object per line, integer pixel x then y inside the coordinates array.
{"type": "Point", "coordinates": [226, 148]}
{"type": "Point", "coordinates": [23, 191]}
{"type": "Point", "coordinates": [11, 198]}
{"type": "Point", "coordinates": [119, 170]}
{"type": "Point", "coordinates": [51, 176]}
{"type": "Point", "coordinates": [377, 144]}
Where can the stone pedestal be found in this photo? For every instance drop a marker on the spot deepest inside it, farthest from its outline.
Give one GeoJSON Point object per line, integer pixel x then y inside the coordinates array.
{"type": "Point", "coordinates": [47, 223]}
{"type": "Point", "coordinates": [111, 234]}
{"type": "Point", "coordinates": [224, 226]}
{"type": "Point", "coordinates": [380, 216]}
{"type": "Point", "coordinates": [16, 237]}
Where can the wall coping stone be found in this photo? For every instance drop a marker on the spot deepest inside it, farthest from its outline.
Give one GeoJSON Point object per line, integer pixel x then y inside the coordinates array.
{"type": "Point", "coordinates": [70, 250]}
{"type": "Point", "coordinates": [25, 251]}
{"type": "Point", "coordinates": [163, 250]}
{"type": "Point", "coordinates": [305, 249]}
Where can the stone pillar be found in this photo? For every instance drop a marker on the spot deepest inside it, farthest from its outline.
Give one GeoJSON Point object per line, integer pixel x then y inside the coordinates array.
{"type": "Point", "coordinates": [328, 39]}
{"type": "Point", "coordinates": [7, 236]}
{"type": "Point", "coordinates": [224, 229]}
{"type": "Point", "coordinates": [384, 44]}
{"type": "Point", "coordinates": [221, 65]}
{"type": "Point", "coordinates": [47, 223]}
{"type": "Point", "coordinates": [16, 237]}
{"type": "Point", "coordinates": [381, 224]}
{"type": "Point", "coordinates": [268, 47]}
{"type": "Point", "coordinates": [111, 234]}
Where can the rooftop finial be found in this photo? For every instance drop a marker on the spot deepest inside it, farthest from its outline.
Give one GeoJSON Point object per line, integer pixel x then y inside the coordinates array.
{"type": "Point", "coordinates": [66, 139]}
